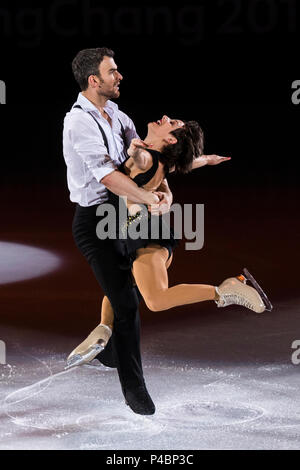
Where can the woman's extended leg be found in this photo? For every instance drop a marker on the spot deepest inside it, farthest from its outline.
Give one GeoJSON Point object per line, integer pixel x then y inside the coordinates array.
{"type": "Point", "coordinates": [150, 273]}
{"type": "Point", "coordinates": [151, 276]}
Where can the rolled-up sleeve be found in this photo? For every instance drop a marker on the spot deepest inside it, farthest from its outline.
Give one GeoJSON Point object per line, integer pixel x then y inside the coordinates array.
{"type": "Point", "coordinates": [88, 145]}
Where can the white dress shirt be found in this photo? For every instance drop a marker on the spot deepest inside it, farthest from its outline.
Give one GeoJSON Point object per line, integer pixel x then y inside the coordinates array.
{"type": "Point", "coordinates": [85, 153]}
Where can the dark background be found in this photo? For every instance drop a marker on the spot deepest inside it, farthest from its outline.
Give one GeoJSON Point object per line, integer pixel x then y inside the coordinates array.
{"type": "Point", "coordinates": [228, 64]}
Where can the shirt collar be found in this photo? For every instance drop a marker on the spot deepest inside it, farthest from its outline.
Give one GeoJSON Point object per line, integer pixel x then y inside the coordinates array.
{"type": "Point", "coordinates": [88, 106]}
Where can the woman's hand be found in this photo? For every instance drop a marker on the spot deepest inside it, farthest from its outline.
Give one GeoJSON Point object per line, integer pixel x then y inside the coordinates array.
{"type": "Point", "coordinates": [215, 159]}
{"type": "Point", "coordinates": [163, 206]}
{"type": "Point", "coordinates": [208, 160]}
{"type": "Point", "coordinates": [135, 145]}
{"type": "Point", "coordinates": [150, 198]}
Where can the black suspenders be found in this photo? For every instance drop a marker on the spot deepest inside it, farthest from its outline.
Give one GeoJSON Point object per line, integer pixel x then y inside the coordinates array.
{"type": "Point", "coordinates": [103, 133]}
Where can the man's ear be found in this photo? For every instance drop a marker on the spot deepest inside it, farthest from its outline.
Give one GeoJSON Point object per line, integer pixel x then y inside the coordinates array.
{"type": "Point", "coordinates": [92, 81]}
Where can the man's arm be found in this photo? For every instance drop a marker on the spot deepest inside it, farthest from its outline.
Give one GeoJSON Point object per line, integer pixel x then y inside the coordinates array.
{"type": "Point", "coordinates": [122, 185]}
{"type": "Point", "coordinates": [86, 142]}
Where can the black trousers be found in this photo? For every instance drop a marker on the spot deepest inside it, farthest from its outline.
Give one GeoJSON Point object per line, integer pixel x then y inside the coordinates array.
{"type": "Point", "coordinates": [117, 285]}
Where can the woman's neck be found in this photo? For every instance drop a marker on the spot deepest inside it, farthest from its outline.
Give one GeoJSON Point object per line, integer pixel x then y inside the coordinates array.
{"type": "Point", "coordinates": [154, 144]}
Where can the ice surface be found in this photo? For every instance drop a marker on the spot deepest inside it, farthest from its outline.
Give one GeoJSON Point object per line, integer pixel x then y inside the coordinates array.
{"type": "Point", "coordinates": [209, 394]}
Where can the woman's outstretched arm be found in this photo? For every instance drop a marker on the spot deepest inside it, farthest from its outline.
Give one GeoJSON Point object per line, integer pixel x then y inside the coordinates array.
{"type": "Point", "coordinates": [205, 160]}
{"type": "Point", "coordinates": [208, 160]}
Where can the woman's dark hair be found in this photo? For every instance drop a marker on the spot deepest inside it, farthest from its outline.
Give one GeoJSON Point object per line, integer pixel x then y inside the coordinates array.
{"type": "Point", "coordinates": [189, 145]}
{"type": "Point", "coordinates": [87, 63]}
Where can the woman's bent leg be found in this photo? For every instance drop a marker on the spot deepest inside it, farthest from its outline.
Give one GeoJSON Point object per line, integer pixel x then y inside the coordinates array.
{"type": "Point", "coordinates": [150, 272]}
{"type": "Point", "coordinates": [107, 313]}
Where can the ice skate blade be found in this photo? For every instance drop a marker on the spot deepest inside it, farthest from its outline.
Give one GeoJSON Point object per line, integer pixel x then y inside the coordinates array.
{"type": "Point", "coordinates": [79, 359]}
{"type": "Point", "coordinates": [256, 286]}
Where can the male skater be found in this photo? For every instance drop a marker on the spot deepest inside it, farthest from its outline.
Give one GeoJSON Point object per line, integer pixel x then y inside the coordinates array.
{"type": "Point", "coordinates": [95, 136]}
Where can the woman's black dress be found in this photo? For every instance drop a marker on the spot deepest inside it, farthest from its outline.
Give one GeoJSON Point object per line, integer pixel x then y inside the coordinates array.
{"type": "Point", "coordinates": [127, 247]}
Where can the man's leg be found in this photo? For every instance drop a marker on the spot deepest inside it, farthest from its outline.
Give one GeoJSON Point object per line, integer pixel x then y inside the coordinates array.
{"type": "Point", "coordinates": [99, 337]}
{"type": "Point", "coordinates": [108, 356]}
{"type": "Point", "coordinates": [117, 286]}
{"type": "Point", "coordinates": [125, 341]}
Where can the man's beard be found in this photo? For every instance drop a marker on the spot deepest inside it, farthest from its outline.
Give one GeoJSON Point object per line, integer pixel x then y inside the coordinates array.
{"type": "Point", "coordinates": [116, 94]}
{"type": "Point", "coordinates": [110, 94]}
{"type": "Point", "coordinates": [116, 91]}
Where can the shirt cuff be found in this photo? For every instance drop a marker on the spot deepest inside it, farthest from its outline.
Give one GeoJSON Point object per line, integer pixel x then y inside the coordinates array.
{"type": "Point", "coordinates": [99, 173]}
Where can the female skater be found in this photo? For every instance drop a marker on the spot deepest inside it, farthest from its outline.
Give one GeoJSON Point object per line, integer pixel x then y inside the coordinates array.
{"type": "Point", "coordinates": [170, 145]}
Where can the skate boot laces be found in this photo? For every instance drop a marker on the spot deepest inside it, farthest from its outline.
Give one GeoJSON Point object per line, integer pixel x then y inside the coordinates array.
{"type": "Point", "coordinates": [234, 298]}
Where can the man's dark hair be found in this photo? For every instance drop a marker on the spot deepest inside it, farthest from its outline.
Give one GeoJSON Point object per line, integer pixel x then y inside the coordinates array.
{"type": "Point", "coordinates": [87, 63]}
{"type": "Point", "coordinates": [189, 145]}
